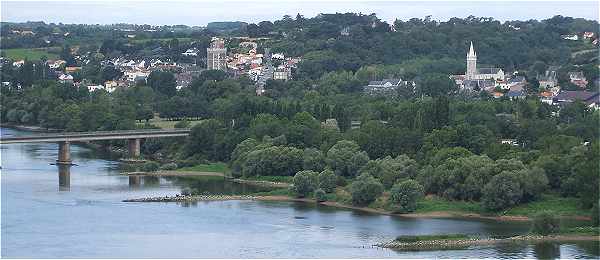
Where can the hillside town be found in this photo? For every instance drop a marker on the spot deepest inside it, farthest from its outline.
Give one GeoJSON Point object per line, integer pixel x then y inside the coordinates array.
{"type": "Point", "coordinates": [245, 59]}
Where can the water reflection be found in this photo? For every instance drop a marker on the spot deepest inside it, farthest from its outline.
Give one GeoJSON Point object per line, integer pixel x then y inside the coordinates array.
{"type": "Point", "coordinates": [135, 181]}
{"type": "Point", "coordinates": [64, 177]}
{"type": "Point", "coordinates": [546, 250]}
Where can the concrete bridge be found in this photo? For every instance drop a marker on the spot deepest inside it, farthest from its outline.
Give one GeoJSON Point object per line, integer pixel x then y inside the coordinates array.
{"type": "Point", "coordinates": [64, 139]}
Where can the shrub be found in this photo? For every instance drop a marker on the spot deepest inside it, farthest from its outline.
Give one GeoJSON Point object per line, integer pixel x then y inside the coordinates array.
{"type": "Point", "coordinates": [545, 223]}
{"type": "Point", "coordinates": [502, 191]}
{"type": "Point", "coordinates": [168, 166]}
{"type": "Point", "coordinates": [327, 181]}
{"type": "Point", "coordinates": [150, 166]}
{"type": "Point", "coordinates": [365, 189]}
{"type": "Point", "coordinates": [304, 182]}
{"type": "Point", "coordinates": [404, 195]}
{"type": "Point", "coordinates": [320, 195]}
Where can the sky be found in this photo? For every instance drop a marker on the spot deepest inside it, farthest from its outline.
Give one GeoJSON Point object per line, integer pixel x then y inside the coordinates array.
{"type": "Point", "coordinates": [202, 12]}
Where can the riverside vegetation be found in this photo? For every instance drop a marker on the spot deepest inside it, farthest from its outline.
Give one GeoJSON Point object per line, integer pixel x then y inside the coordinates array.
{"type": "Point", "coordinates": [433, 148]}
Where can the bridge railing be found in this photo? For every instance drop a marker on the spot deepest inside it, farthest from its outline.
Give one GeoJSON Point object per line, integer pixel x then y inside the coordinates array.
{"type": "Point", "coordinates": [104, 133]}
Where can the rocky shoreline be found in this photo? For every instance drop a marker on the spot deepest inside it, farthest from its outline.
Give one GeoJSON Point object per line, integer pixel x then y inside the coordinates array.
{"type": "Point", "coordinates": [192, 198]}
{"type": "Point", "coordinates": [461, 243]}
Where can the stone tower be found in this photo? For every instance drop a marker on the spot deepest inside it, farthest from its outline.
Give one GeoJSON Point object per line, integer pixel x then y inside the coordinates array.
{"type": "Point", "coordinates": [471, 63]}
{"type": "Point", "coordinates": [216, 55]}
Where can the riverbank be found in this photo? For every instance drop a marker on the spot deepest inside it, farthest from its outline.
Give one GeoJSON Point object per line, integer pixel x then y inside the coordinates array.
{"type": "Point", "coordinates": [433, 214]}
{"type": "Point", "coordinates": [467, 242]}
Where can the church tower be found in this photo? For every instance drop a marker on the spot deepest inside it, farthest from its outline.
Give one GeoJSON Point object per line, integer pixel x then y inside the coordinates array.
{"type": "Point", "coordinates": [471, 63]}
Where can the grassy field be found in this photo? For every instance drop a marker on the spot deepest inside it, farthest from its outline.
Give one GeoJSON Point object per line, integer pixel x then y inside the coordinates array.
{"type": "Point", "coordinates": [212, 167]}
{"type": "Point", "coordinates": [559, 205]}
{"type": "Point", "coordinates": [29, 54]}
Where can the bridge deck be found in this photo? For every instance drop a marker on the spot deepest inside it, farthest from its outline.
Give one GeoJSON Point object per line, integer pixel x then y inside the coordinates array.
{"type": "Point", "coordinates": [94, 136]}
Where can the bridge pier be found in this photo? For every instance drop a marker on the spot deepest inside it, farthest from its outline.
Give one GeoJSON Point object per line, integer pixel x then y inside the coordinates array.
{"type": "Point", "coordinates": [64, 153]}
{"type": "Point", "coordinates": [134, 147]}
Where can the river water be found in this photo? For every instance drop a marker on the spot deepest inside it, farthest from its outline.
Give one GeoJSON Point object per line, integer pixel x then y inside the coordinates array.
{"type": "Point", "coordinates": [41, 219]}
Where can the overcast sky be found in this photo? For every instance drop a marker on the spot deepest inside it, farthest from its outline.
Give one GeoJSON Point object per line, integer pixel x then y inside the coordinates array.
{"type": "Point", "coordinates": [202, 12]}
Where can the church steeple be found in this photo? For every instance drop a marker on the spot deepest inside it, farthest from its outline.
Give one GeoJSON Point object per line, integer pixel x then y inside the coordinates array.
{"type": "Point", "coordinates": [471, 63]}
{"type": "Point", "coordinates": [471, 51]}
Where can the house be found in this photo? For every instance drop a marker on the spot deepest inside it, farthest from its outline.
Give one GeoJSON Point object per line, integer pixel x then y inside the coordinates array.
{"type": "Point", "coordinates": [546, 97]}
{"type": "Point", "coordinates": [590, 98]}
{"type": "Point", "coordinates": [516, 94]}
{"type": "Point", "coordinates": [282, 73]}
{"type": "Point", "coordinates": [110, 86]}
{"type": "Point", "coordinates": [549, 80]}
{"type": "Point", "coordinates": [72, 69]}
{"type": "Point", "coordinates": [578, 79]}
{"type": "Point", "coordinates": [65, 78]}
{"type": "Point", "coordinates": [92, 88]}
{"type": "Point", "coordinates": [278, 56]}
{"type": "Point", "coordinates": [345, 31]}
{"type": "Point", "coordinates": [386, 85]}
{"type": "Point", "coordinates": [191, 52]}
{"type": "Point", "coordinates": [55, 64]}
{"type": "Point", "coordinates": [588, 35]}
{"type": "Point", "coordinates": [571, 37]}
{"type": "Point", "coordinates": [512, 142]}
{"type": "Point", "coordinates": [19, 63]}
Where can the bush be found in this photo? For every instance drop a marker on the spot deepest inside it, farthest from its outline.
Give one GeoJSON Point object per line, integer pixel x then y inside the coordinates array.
{"type": "Point", "coordinates": [169, 166]}
{"type": "Point", "coordinates": [327, 181]}
{"type": "Point", "coordinates": [545, 223]}
{"type": "Point", "coordinates": [304, 182]}
{"type": "Point", "coordinates": [365, 189]}
{"type": "Point", "coordinates": [503, 191]}
{"type": "Point", "coordinates": [404, 195]}
{"type": "Point", "coordinates": [320, 195]}
{"type": "Point", "coordinates": [150, 166]}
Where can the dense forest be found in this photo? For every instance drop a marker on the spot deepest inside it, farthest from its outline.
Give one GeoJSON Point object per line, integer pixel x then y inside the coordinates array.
{"type": "Point", "coordinates": [334, 139]}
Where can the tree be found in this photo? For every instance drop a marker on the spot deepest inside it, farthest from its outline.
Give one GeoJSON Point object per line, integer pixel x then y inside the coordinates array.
{"type": "Point", "coordinates": [162, 82]}
{"type": "Point", "coordinates": [304, 183]}
{"type": "Point", "coordinates": [545, 223]}
{"type": "Point", "coordinates": [313, 159]}
{"type": "Point", "coordinates": [389, 170]}
{"type": "Point", "coordinates": [327, 181]}
{"type": "Point", "coordinates": [533, 183]}
{"type": "Point", "coordinates": [502, 191]}
{"type": "Point", "coordinates": [404, 195]}
{"type": "Point", "coordinates": [345, 158]}
{"type": "Point", "coordinates": [365, 189]}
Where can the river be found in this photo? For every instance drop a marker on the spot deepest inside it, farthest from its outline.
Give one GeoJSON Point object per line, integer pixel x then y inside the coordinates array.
{"type": "Point", "coordinates": [88, 219]}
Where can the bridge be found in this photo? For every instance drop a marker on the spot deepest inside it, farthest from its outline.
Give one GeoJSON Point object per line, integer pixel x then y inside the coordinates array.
{"type": "Point", "coordinates": [64, 139]}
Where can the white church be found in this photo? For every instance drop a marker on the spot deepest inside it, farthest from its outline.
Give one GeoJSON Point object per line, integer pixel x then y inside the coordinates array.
{"type": "Point", "coordinates": [483, 73]}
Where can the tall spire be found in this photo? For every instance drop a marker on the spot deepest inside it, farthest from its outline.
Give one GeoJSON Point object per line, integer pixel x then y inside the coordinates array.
{"type": "Point", "coordinates": [471, 51]}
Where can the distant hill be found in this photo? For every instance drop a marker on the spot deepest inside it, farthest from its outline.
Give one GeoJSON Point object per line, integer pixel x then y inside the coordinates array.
{"type": "Point", "coordinates": [225, 26]}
